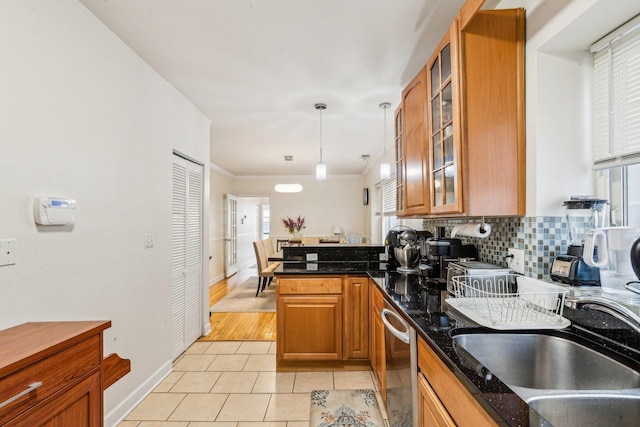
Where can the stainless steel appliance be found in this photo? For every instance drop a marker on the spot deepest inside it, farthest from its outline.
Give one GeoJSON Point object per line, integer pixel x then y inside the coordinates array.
{"type": "Point", "coordinates": [401, 373]}
{"type": "Point", "coordinates": [472, 268]}
{"type": "Point", "coordinates": [404, 249]}
{"type": "Point", "coordinates": [583, 214]}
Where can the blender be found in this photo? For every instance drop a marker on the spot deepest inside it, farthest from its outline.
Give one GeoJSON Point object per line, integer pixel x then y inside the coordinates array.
{"type": "Point", "coordinates": [583, 214]}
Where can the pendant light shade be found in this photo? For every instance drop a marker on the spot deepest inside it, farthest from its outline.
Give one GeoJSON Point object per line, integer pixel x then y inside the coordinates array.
{"type": "Point", "coordinates": [321, 168]}
{"type": "Point", "coordinates": [385, 166]}
{"type": "Point", "coordinates": [288, 187]}
{"type": "Point", "coordinates": [321, 171]}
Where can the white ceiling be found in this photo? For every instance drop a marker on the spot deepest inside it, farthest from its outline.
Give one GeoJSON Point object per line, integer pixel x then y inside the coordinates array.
{"type": "Point", "coordinates": [257, 67]}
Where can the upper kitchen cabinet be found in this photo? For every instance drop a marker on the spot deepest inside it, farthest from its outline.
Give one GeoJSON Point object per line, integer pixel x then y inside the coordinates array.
{"type": "Point", "coordinates": [492, 116]}
{"type": "Point", "coordinates": [464, 141]}
{"type": "Point", "coordinates": [399, 148]}
{"type": "Point", "coordinates": [443, 125]}
{"type": "Point", "coordinates": [415, 192]}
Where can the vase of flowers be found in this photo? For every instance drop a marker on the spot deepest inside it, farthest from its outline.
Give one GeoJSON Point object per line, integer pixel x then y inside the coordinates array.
{"type": "Point", "coordinates": [294, 226]}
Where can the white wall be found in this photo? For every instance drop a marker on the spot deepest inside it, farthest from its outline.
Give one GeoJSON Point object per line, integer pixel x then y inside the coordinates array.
{"type": "Point", "coordinates": [82, 116]}
{"type": "Point", "coordinates": [336, 201]}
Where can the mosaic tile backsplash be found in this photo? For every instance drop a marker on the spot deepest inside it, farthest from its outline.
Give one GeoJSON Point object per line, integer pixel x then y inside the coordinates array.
{"type": "Point", "coordinates": [541, 238]}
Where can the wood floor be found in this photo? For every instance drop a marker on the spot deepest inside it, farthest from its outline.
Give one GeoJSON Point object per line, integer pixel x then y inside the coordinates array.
{"type": "Point", "coordinates": [238, 326]}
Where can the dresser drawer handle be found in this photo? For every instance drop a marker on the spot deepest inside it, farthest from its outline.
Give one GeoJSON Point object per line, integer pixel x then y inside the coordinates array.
{"type": "Point", "coordinates": [29, 389]}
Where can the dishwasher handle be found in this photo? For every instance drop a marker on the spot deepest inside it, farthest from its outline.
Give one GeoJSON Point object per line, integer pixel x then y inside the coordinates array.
{"type": "Point", "coordinates": [401, 335]}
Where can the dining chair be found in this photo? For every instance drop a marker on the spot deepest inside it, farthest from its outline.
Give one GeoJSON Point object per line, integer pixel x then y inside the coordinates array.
{"type": "Point", "coordinates": [265, 271]}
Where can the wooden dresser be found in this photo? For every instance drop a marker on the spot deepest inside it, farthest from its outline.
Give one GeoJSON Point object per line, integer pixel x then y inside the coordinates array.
{"type": "Point", "coordinates": [54, 374]}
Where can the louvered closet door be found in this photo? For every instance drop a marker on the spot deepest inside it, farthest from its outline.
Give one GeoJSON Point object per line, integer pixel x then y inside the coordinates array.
{"type": "Point", "coordinates": [186, 288]}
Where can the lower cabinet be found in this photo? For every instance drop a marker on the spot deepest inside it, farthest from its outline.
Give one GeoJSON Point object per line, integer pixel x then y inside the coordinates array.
{"type": "Point", "coordinates": [443, 401]}
{"type": "Point", "coordinates": [377, 352]}
{"type": "Point", "coordinates": [53, 374]}
{"type": "Point", "coordinates": [322, 318]}
{"type": "Point", "coordinates": [356, 318]}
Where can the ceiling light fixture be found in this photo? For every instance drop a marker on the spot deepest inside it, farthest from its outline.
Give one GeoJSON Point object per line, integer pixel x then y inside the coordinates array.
{"type": "Point", "coordinates": [385, 166]}
{"type": "Point", "coordinates": [321, 168]}
{"type": "Point", "coordinates": [288, 187]}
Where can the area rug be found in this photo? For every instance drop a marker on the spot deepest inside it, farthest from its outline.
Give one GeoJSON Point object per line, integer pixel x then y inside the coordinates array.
{"type": "Point", "coordinates": [345, 408]}
{"type": "Point", "coordinates": [244, 299]}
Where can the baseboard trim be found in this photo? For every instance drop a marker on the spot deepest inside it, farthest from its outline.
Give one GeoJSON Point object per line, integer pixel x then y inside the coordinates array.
{"type": "Point", "coordinates": [117, 414]}
{"type": "Point", "coordinates": [216, 279]}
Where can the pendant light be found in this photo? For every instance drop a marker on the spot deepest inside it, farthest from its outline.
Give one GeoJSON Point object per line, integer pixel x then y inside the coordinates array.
{"type": "Point", "coordinates": [288, 187]}
{"type": "Point", "coordinates": [321, 168]}
{"type": "Point", "coordinates": [385, 166]}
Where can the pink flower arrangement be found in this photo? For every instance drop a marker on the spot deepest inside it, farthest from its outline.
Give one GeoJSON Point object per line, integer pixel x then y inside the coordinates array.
{"type": "Point", "coordinates": [293, 226]}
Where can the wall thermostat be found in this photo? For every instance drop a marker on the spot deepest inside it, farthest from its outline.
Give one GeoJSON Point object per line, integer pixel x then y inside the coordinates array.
{"type": "Point", "coordinates": [48, 210]}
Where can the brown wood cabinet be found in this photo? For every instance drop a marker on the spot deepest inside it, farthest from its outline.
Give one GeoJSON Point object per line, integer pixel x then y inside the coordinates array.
{"type": "Point", "coordinates": [356, 318]}
{"type": "Point", "coordinates": [443, 400]}
{"type": "Point", "coordinates": [414, 126]}
{"type": "Point", "coordinates": [322, 318]}
{"type": "Point", "coordinates": [473, 145]}
{"type": "Point", "coordinates": [444, 131]}
{"type": "Point", "coordinates": [53, 374]}
{"type": "Point", "coordinates": [399, 151]}
{"type": "Point", "coordinates": [377, 353]}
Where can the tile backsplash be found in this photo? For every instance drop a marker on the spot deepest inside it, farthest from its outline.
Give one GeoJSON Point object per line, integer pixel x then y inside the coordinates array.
{"type": "Point", "coordinates": [541, 238]}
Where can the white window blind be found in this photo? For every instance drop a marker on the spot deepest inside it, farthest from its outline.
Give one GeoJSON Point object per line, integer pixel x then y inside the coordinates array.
{"type": "Point", "coordinates": [616, 97]}
{"type": "Point", "coordinates": [386, 198]}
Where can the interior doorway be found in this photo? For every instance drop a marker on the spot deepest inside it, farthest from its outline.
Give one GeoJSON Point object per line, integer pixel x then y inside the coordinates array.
{"type": "Point", "coordinates": [248, 219]}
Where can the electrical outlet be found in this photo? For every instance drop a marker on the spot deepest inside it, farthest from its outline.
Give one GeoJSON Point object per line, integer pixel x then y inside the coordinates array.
{"type": "Point", "coordinates": [7, 251]}
{"type": "Point", "coordinates": [516, 263]}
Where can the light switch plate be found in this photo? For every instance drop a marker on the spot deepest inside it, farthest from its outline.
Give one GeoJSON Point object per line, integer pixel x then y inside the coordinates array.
{"type": "Point", "coordinates": [7, 251]}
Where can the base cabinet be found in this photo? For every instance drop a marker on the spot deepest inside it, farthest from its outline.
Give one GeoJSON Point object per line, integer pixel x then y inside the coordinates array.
{"type": "Point", "coordinates": [322, 318]}
{"type": "Point", "coordinates": [53, 374]}
{"type": "Point", "coordinates": [356, 318]}
{"type": "Point", "coordinates": [378, 354]}
{"type": "Point", "coordinates": [443, 400]}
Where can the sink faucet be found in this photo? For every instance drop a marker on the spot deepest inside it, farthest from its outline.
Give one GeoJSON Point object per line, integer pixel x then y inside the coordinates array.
{"type": "Point", "coordinates": [605, 305]}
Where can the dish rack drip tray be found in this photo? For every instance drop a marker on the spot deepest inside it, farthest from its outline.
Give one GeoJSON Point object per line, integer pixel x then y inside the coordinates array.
{"type": "Point", "coordinates": [509, 301]}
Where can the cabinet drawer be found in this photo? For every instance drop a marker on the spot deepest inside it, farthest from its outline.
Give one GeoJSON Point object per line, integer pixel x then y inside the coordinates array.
{"type": "Point", "coordinates": [312, 285]}
{"type": "Point", "coordinates": [55, 372]}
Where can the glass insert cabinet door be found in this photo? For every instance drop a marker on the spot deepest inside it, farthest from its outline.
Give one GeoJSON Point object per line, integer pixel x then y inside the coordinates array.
{"type": "Point", "coordinates": [443, 158]}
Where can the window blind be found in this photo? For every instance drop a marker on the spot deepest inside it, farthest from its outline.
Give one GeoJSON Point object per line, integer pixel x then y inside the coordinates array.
{"type": "Point", "coordinates": [616, 97]}
{"type": "Point", "coordinates": [386, 198]}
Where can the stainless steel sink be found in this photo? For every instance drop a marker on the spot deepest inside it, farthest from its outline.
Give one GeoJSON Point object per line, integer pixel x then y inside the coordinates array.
{"type": "Point", "coordinates": [565, 382]}
{"type": "Point", "coordinates": [588, 410]}
{"type": "Point", "coordinates": [546, 362]}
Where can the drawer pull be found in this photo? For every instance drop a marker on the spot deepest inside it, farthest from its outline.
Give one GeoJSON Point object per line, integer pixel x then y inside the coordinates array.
{"type": "Point", "coordinates": [29, 389]}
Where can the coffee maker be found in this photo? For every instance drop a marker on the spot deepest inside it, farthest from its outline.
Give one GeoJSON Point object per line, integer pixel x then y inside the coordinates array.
{"type": "Point", "coordinates": [443, 250]}
{"type": "Point", "coordinates": [583, 214]}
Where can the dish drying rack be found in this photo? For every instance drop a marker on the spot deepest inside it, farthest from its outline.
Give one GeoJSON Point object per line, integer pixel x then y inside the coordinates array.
{"type": "Point", "coordinates": [509, 301]}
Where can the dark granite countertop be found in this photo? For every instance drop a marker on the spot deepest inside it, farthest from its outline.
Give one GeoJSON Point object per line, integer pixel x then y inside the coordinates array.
{"type": "Point", "coordinates": [422, 302]}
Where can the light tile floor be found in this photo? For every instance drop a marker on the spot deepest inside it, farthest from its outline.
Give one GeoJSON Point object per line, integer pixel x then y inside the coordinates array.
{"type": "Point", "coordinates": [235, 384]}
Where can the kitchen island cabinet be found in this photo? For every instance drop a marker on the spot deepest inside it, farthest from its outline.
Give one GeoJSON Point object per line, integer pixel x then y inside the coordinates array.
{"type": "Point", "coordinates": [322, 318]}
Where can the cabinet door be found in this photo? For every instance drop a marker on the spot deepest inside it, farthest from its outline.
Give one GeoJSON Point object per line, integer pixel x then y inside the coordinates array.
{"type": "Point", "coordinates": [356, 318]}
{"type": "Point", "coordinates": [431, 411]}
{"type": "Point", "coordinates": [416, 190]}
{"type": "Point", "coordinates": [310, 327]}
{"type": "Point", "coordinates": [378, 361]}
{"type": "Point", "coordinates": [399, 150]}
{"type": "Point", "coordinates": [444, 126]}
{"type": "Point", "coordinates": [79, 405]}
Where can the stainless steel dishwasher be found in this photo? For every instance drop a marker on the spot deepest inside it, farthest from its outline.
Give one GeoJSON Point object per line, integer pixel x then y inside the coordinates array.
{"type": "Point", "coordinates": [401, 369]}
